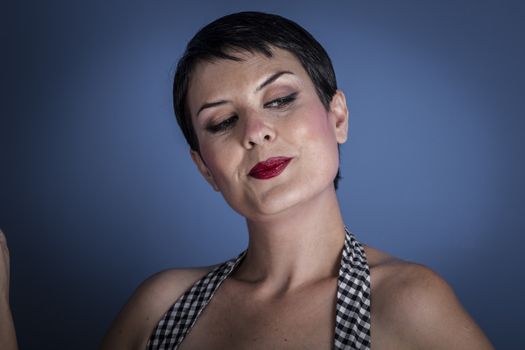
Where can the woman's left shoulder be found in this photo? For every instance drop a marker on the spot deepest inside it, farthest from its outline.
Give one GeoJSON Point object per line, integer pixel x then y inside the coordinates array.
{"type": "Point", "coordinates": [413, 306]}
{"type": "Point", "coordinates": [402, 278]}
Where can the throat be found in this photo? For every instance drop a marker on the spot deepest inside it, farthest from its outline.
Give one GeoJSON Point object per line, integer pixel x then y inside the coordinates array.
{"type": "Point", "coordinates": [279, 266]}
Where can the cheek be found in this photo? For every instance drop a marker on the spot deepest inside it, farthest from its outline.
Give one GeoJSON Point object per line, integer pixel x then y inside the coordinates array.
{"type": "Point", "coordinates": [314, 127]}
{"type": "Point", "coordinates": [211, 158]}
{"type": "Point", "coordinates": [318, 141]}
{"type": "Point", "coordinates": [219, 160]}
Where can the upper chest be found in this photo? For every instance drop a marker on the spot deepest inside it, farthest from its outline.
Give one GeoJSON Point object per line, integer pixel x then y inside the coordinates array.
{"type": "Point", "coordinates": [235, 319]}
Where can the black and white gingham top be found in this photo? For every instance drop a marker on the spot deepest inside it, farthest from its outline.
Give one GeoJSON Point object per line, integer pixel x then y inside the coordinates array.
{"type": "Point", "coordinates": [352, 328]}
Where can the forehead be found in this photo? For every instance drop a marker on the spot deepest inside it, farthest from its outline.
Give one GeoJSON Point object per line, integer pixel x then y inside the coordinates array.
{"type": "Point", "coordinates": [212, 79]}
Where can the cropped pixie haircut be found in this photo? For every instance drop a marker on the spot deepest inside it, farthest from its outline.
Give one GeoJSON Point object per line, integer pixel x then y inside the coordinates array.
{"type": "Point", "coordinates": [254, 32]}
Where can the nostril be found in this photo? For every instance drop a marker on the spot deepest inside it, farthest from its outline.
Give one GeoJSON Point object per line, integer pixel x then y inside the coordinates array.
{"type": "Point", "coordinates": [267, 137]}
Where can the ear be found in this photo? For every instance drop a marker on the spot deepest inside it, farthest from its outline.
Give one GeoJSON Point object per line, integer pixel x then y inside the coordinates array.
{"type": "Point", "coordinates": [203, 169]}
{"type": "Point", "coordinates": [339, 113]}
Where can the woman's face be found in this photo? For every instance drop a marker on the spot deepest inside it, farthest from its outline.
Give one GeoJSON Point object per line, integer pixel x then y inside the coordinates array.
{"type": "Point", "coordinates": [266, 140]}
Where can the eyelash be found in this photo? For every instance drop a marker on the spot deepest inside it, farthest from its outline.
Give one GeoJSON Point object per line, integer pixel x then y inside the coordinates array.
{"type": "Point", "coordinates": [281, 101]}
{"type": "Point", "coordinates": [228, 123]}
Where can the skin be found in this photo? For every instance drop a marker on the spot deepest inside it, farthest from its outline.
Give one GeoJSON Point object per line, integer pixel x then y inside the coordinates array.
{"type": "Point", "coordinates": [283, 294]}
{"type": "Point", "coordinates": [7, 328]}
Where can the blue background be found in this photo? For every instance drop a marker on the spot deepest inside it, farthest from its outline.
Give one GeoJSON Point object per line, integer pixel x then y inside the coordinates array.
{"type": "Point", "coordinates": [98, 190]}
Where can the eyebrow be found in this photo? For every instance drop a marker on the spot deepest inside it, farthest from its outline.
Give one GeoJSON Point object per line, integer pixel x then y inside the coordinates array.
{"type": "Point", "coordinates": [265, 83]}
{"type": "Point", "coordinates": [211, 104]}
{"type": "Point", "coordinates": [271, 79]}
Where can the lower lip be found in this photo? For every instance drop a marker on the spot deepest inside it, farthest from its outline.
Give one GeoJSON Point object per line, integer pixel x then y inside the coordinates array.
{"type": "Point", "coordinates": [272, 171]}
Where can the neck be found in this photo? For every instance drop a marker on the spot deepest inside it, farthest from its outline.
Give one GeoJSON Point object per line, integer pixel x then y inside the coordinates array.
{"type": "Point", "coordinates": [295, 248]}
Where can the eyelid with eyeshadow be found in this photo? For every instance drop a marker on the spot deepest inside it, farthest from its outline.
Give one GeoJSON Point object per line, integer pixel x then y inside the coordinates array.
{"type": "Point", "coordinates": [229, 122]}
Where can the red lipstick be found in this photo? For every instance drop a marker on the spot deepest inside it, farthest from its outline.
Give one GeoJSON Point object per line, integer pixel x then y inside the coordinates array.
{"type": "Point", "coordinates": [271, 167]}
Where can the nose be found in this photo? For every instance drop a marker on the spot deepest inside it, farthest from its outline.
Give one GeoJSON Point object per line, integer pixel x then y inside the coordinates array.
{"type": "Point", "coordinates": [257, 132]}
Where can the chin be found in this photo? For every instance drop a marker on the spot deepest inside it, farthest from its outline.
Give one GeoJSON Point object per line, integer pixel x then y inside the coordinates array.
{"type": "Point", "coordinates": [283, 201]}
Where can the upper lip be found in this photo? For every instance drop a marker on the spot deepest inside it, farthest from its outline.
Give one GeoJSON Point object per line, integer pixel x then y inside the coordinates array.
{"type": "Point", "coordinates": [268, 165]}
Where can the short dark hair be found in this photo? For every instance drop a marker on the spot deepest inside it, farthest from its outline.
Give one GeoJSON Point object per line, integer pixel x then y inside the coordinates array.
{"type": "Point", "coordinates": [254, 32]}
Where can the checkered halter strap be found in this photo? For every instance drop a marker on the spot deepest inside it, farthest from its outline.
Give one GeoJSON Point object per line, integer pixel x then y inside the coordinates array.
{"type": "Point", "coordinates": [352, 326]}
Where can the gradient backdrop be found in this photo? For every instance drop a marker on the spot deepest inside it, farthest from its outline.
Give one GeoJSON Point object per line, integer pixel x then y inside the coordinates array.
{"type": "Point", "coordinates": [98, 190]}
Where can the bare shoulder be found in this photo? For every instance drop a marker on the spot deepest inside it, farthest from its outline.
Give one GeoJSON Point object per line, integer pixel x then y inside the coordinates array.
{"type": "Point", "coordinates": [150, 301]}
{"type": "Point", "coordinates": [414, 308]}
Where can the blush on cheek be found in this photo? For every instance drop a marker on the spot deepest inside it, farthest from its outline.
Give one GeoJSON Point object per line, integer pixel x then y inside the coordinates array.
{"type": "Point", "coordinates": [315, 125]}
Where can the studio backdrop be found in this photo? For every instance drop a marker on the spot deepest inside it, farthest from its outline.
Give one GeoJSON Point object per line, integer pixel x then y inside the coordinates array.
{"type": "Point", "coordinates": [98, 190]}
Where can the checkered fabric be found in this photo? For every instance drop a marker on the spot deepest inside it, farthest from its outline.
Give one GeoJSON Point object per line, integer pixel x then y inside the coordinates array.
{"type": "Point", "coordinates": [352, 330]}
{"type": "Point", "coordinates": [352, 319]}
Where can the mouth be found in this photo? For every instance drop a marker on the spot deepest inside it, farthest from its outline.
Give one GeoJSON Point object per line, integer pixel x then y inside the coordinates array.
{"type": "Point", "coordinates": [271, 167]}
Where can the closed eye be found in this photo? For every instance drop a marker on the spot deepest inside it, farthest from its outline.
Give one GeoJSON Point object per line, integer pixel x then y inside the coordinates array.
{"type": "Point", "coordinates": [224, 125]}
{"type": "Point", "coordinates": [281, 102]}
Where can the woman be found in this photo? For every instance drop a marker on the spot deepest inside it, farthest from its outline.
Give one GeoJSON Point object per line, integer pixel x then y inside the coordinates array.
{"type": "Point", "coordinates": [256, 98]}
